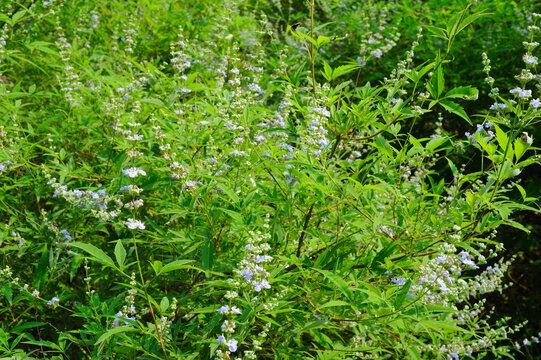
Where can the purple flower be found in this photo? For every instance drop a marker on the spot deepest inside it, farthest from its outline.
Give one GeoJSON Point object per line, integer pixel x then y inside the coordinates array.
{"type": "Point", "coordinates": [232, 344]}
{"type": "Point", "coordinates": [441, 259]}
{"type": "Point", "coordinates": [53, 302]}
{"type": "Point", "coordinates": [264, 284]}
{"type": "Point", "coordinates": [247, 273]}
{"type": "Point", "coordinates": [224, 308]}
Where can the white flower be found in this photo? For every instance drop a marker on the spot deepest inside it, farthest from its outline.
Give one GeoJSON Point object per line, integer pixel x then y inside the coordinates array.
{"type": "Point", "coordinates": [531, 60]}
{"type": "Point", "coordinates": [376, 53]}
{"type": "Point", "coordinates": [134, 172]}
{"type": "Point", "coordinates": [135, 224]}
{"type": "Point", "coordinates": [535, 103]}
{"type": "Point", "coordinates": [235, 310]}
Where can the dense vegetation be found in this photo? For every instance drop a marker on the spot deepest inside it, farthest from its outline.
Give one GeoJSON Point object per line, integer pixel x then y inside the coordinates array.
{"type": "Point", "coordinates": [244, 179]}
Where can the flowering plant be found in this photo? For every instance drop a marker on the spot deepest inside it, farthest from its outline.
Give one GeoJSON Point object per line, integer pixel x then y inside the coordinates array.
{"type": "Point", "coordinates": [199, 181]}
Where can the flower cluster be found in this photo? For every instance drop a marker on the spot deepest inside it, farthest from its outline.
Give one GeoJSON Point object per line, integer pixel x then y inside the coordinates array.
{"type": "Point", "coordinates": [70, 82]}
{"type": "Point", "coordinates": [128, 312]}
{"type": "Point", "coordinates": [251, 277]}
{"type": "Point", "coordinates": [100, 204]}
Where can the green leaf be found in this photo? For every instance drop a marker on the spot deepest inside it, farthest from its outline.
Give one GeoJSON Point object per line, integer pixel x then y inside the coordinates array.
{"type": "Point", "coordinates": [463, 92]}
{"type": "Point", "coordinates": [440, 325]}
{"type": "Point", "coordinates": [176, 265]}
{"type": "Point", "coordinates": [438, 32]}
{"type": "Point", "coordinates": [334, 303]}
{"type": "Point", "coordinates": [120, 253]}
{"type": "Point", "coordinates": [48, 344]}
{"type": "Point", "coordinates": [322, 40]}
{"type": "Point", "coordinates": [440, 80]}
{"type": "Point", "coordinates": [383, 145]}
{"type": "Point", "coordinates": [114, 331]}
{"type": "Point", "coordinates": [153, 101]}
{"type": "Point", "coordinates": [520, 148]}
{"type": "Point", "coordinates": [18, 15]}
{"type": "Point", "coordinates": [435, 143]}
{"type": "Point", "coordinates": [517, 225]}
{"type": "Point", "coordinates": [327, 71]}
{"type": "Point", "coordinates": [207, 256]}
{"type": "Point", "coordinates": [97, 253]}
{"type": "Point", "coordinates": [455, 109]}
{"type": "Point", "coordinates": [40, 276]}
{"type": "Point", "coordinates": [164, 304]}
{"type": "Point", "coordinates": [452, 166]}
{"type": "Point", "coordinates": [503, 140]}
{"type": "Point", "coordinates": [337, 281]}
{"type": "Point", "coordinates": [342, 70]}
{"type": "Point", "coordinates": [467, 21]}
{"type": "Point", "coordinates": [157, 266]}
{"type": "Point", "coordinates": [229, 192]}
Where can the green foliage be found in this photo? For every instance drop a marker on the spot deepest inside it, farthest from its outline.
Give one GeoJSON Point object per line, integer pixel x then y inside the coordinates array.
{"type": "Point", "coordinates": [250, 179]}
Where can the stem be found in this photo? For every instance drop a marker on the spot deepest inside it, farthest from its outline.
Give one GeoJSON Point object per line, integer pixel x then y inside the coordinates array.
{"type": "Point", "coordinates": [148, 297]}
{"type": "Point", "coordinates": [303, 233]}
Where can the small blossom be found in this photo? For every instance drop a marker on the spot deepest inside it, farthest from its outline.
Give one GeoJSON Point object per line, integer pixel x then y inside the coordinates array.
{"type": "Point", "coordinates": [134, 172]}
{"type": "Point", "coordinates": [135, 224]}
{"type": "Point", "coordinates": [223, 309]}
{"type": "Point", "coordinates": [535, 103]}
{"type": "Point", "coordinates": [525, 94]}
{"type": "Point", "coordinates": [235, 310]}
{"type": "Point", "coordinates": [232, 344]}
{"type": "Point", "coordinates": [263, 284]}
{"type": "Point", "coordinates": [376, 53]}
{"type": "Point", "coordinates": [53, 302]}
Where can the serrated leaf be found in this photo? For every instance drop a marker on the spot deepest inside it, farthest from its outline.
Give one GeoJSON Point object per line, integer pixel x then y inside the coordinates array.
{"type": "Point", "coordinates": [502, 139]}
{"type": "Point", "coordinates": [455, 109]}
{"type": "Point", "coordinates": [463, 92]}
{"type": "Point", "coordinates": [342, 70]}
{"type": "Point", "coordinates": [519, 148]}
{"type": "Point", "coordinates": [153, 101]}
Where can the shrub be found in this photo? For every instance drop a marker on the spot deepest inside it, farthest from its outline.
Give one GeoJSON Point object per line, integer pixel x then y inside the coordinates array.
{"type": "Point", "coordinates": [193, 180]}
